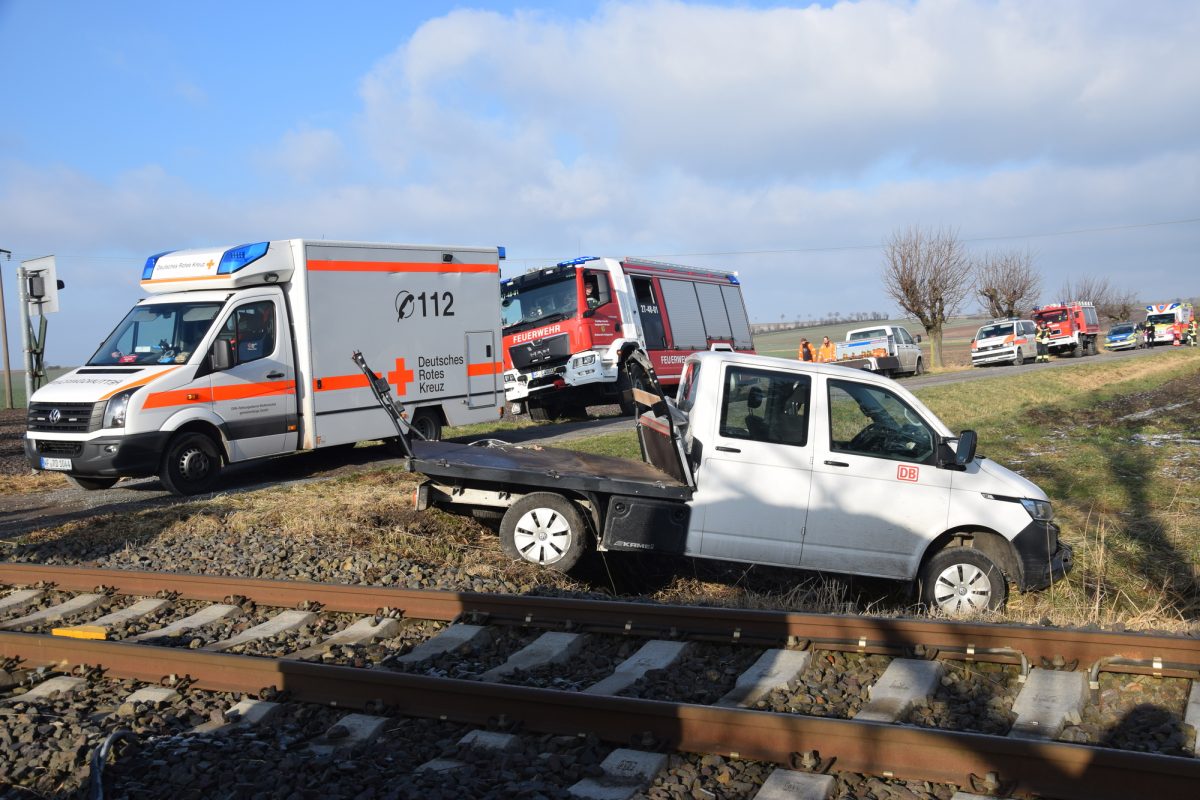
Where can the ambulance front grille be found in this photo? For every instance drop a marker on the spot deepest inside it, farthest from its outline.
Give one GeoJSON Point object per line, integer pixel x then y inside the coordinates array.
{"type": "Point", "coordinates": [65, 417]}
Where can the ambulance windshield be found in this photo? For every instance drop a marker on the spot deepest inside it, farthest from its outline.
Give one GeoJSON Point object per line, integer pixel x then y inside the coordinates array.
{"type": "Point", "coordinates": [1161, 319]}
{"type": "Point", "coordinates": [162, 333]}
{"type": "Point", "coordinates": [523, 305]}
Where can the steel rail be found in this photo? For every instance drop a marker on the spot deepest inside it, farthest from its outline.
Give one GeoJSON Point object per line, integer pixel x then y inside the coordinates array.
{"type": "Point", "coordinates": [1046, 768]}
{"type": "Point", "coordinates": [1160, 654]}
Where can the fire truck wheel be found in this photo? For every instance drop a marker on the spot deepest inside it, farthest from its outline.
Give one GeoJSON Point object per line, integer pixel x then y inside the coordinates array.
{"type": "Point", "coordinates": [191, 464]}
{"type": "Point", "coordinates": [961, 580]}
{"type": "Point", "coordinates": [427, 423]}
{"type": "Point", "coordinates": [545, 529]}
{"type": "Point", "coordinates": [1077, 351]}
{"type": "Point", "coordinates": [637, 381]}
{"type": "Point", "coordinates": [92, 484]}
{"type": "Point", "coordinates": [543, 413]}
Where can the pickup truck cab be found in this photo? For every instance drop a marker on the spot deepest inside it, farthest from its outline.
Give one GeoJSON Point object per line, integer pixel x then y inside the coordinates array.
{"type": "Point", "coordinates": [772, 461]}
{"type": "Point", "coordinates": [886, 349]}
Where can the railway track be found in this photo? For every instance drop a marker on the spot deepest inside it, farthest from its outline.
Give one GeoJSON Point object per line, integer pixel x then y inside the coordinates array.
{"type": "Point", "coordinates": [809, 693]}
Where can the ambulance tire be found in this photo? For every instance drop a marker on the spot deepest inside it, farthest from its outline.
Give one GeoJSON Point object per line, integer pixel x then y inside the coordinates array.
{"type": "Point", "coordinates": [544, 529]}
{"type": "Point", "coordinates": [962, 579]}
{"type": "Point", "coordinates": [428, 423]}
{"type": "Point", "coordinates": [92, 484]}
{"type": "Point", "coordinates": [1019, 358]}
{"type": "Point", "coordinates": [191, 464]}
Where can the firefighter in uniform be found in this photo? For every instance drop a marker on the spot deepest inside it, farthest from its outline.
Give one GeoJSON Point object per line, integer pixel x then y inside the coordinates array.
{"type": "Point", "coordinates": [1043, 342]}
{"type": "Point", "coordinates": [1192, 332]}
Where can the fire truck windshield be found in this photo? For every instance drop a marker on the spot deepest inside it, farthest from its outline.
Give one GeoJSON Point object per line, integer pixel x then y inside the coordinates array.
{"type": "Point", "coordinates": [526, 306]}
{"type": "Point", "coordinates": [1051, 316]}
{"type": "Point", "coordinates": [157, 333]}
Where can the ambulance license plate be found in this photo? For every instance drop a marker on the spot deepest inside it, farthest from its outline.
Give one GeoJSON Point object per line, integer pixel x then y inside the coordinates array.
{"type": "Point", "coordinates": [56, 463]}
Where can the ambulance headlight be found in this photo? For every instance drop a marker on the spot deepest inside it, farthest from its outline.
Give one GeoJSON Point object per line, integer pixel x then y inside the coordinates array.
{"type": "Point", "coordinates": [1038, 509]}
{"type": "Point", "coordinates": [583, 361]}
{"type": "Point", "coordinates": [114, 411]}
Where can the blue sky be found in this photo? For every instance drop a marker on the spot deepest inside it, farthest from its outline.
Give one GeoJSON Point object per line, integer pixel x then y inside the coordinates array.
{"type": "Point", "coordinates": [786, 141]}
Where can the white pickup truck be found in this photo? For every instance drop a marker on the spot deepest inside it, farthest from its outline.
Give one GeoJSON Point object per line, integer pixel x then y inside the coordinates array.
{"type": "Point", "coordinates": [769, 461]}
{"type": "Point", "coordinates": [886, 349]}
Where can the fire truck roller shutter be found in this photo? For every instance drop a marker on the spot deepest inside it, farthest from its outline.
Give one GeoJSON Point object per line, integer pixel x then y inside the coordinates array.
{"type": "Point", "coordinates": [712, 309]}
{"type": "Point", "coordinates": [738, 321]}
{"type": "Point", "coordinates": [683, 314]}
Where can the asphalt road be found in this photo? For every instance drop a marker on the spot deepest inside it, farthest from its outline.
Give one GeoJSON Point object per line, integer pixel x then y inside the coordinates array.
{"type": "Point", "coordinates": [20, 513]}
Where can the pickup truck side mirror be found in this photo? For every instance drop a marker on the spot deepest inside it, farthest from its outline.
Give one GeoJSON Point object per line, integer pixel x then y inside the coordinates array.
{"type": "Point", "coordinates": [917, 338]}
{"type": "Point", "coordinates": [965, 453]}
{"type": "Point", "coordinates": [222, 355]}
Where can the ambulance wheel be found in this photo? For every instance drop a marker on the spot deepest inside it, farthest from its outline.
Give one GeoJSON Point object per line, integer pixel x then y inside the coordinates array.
{"type": "Point", "coordinates": [1019, 358]}
{"type": "Point", "coordinates": [427, 423]}
{"type": "Point", "coordinates": [961, 580]}
{"type": "Point", "coordinates": [191, 464]}
{"type": "Point", "coordinates": [545, 529]}
{"type": "Point", "coordinates": [92, 484]}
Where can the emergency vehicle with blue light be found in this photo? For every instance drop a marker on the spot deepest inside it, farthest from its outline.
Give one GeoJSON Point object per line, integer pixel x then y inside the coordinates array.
{"type": "Point", "coordinates": [241, 353]}
{"type": "Point", "coordinates": [1164, 316]}
{"type": "Point", "coordinates": [564, 326]}
{"type": "Point", "coordinates": [1074, 327]}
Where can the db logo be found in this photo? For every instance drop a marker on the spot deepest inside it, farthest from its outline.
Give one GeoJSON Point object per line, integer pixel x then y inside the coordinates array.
{"type": "Point", "coordinates": [906, 473]}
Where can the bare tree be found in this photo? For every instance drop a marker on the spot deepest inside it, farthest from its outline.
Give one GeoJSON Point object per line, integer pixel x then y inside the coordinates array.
{"type": "Point", "coordinates": [1007, 282]}
{"type": "Point", "coordinates": [1111, 303]}
{"type": "Point", "coordinates": [928, 274]}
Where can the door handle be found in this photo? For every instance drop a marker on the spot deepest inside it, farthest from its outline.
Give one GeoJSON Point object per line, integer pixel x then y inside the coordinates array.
{"type": "Point", "coordinates": [728, 449]}
{"type": "Point", "coordinates": [836, 464]}
{"type": "Point", "coordinates": [274, 374]}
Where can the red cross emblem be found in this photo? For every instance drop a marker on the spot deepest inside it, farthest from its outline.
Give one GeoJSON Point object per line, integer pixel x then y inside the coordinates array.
{"type": "Point", "coordinates": [400, 377]}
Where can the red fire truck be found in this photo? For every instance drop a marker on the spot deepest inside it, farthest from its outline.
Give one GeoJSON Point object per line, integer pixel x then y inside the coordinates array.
{"type": "Point", "coordinates": [1074, 327]}
{"type": "Point", "coordinates": [565, 325]}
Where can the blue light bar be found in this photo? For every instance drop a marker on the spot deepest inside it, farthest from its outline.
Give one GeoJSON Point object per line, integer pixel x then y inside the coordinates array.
{"type": "Point", "coordinates": [734, 280]}
{"type": "Point", "coordinates": [237, 257]}
{"type": "Point", "coordinates": [502, 251]}
{"type": "Point", "coordinates": [576, 261]}
{"type": "Point", "coordinates": [148, 270]}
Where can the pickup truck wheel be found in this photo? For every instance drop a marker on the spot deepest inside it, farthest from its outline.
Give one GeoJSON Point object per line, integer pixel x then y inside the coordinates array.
{"type": "Point", "coordinates": [191, 464]}
{"type": "Point", "coordinates": [961, 580]}
{"type": "Point", "coordinates": [545, 529]}
{"type": "Point", "coordinates": [92, 484]}
{"type": "Point", "coordinates": [427, 423]}
{"type": "Point", "coordinates": [920, 368]}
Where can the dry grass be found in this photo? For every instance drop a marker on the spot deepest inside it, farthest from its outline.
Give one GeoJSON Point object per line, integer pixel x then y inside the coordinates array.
{"type": "Point", "coordinates": [32, 481]}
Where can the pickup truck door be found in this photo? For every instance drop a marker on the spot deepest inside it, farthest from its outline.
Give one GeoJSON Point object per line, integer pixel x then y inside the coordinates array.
{"type": "Point", "coordinates": [906, 350]}
{"type": "Point", "coordinates": [754, 473]}
{"type": "Point", "coordinates": [878, 497]}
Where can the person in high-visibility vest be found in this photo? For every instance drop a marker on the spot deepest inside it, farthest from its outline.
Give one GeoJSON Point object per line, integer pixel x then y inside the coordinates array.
{"type": "Point", "coordinates": [1192, 332]}
{"type": "Point", "coordinates": [806, 351]}
{"type": "Point", "coordinates": [827, 351]}
{"type": "Point", "coordinates": [1043, 342]}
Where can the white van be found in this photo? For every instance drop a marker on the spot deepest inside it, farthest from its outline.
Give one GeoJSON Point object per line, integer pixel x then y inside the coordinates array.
{"type": "Point", "coordinates": [244, 352]}
{"type": "Point", "coordinates": [1004, 341]}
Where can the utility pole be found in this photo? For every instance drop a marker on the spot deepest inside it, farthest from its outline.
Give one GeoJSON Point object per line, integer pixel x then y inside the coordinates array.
{"type": "Point", "coordinates": [8, 390]}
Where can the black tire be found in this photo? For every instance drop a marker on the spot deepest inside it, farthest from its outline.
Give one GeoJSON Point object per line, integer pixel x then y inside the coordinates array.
{"type": "Point", "coordinates": [544, 529]}
{"type": "Point", "coordinates": [428, 423]}
{"type": "Point", "coordinates": [1078, 351]}
{"type": "Point", "coordinates": [920, 369]}
{"type": "Point", "coordinates": [191, 464]}
{"type": "Point", "coordinates": [92, 484]}
{"type": "Point", "coordinates": [1019, 358]}
{"type": "Point", "coordinates": [544, 413]}
{"type": "Point", "coordinates": [638, 380]}
{"type": "Point", "coordinates": [962, 579]}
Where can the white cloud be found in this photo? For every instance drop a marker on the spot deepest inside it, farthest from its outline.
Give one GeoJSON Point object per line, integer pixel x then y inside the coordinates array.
{"type": "Point", "coordinates": [305, 155]}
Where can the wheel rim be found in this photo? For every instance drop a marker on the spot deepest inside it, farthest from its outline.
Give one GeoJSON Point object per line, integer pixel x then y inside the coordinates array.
{"type": "Point", "coordinates": [194, 464]}
{"type": "Point", "coordinates": [424, 426]}
{"type": "Point", "coordinates": [542, 536]}
{"type": "Point", "coordinates": [962, 587]}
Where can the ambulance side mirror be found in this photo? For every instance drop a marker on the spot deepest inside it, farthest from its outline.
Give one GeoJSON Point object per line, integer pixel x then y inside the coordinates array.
{"type": "Point", "coordinates": [222, 355]}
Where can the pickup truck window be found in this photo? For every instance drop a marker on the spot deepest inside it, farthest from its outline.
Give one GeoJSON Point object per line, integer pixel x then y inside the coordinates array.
{"type": "Point", "coordinates": [764, 406]}
{"type": "Point", "coordinates": [903, 337]}
{"type": "Point", "coordinates": [870, 421]}
{"type": "Point", "coordinates": [858, 336]}
{"type": "Point", "coordinates": [687, 387]}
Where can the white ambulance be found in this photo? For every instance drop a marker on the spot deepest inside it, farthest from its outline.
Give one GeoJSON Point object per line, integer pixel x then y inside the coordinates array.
{"type": "Point", "coordinates": [244, 352]}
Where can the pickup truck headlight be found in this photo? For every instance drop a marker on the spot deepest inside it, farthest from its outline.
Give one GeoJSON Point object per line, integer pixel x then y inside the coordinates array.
{"type": "Point", "coordinates": [114, 411]}
{"type": "Point", "coordinates": [1041, 510]}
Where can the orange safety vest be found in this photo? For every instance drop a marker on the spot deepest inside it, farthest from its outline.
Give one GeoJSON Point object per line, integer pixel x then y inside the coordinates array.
{"type": "Point", "coordinates": [806, 352]}
{"type": "Point", "coordinates": [828, 352]}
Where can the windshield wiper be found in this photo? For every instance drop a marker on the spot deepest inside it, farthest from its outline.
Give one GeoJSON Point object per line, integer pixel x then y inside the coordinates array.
{"type": "Point", "coordinates": [526, 324]}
